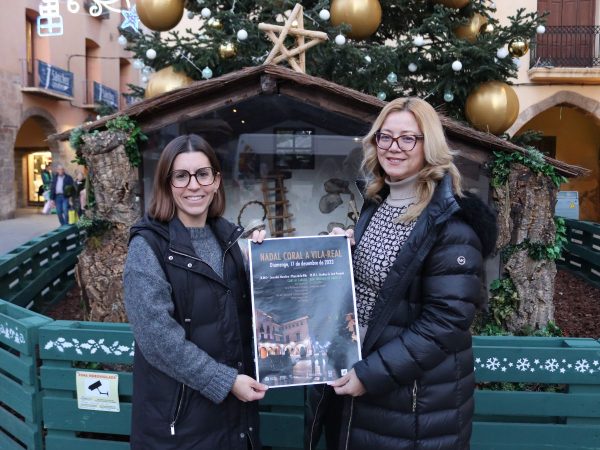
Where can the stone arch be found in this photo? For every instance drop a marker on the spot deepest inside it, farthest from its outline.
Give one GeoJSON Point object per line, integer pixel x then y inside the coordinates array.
{"type": "Point", "coordinates": [35, 126]}
{"type": "Point", "coordinates": [581, 101]}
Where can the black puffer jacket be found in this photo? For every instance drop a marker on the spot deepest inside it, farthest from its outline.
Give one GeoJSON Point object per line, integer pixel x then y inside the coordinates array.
{"type": "Point", "coordinates": [216, 315]}
{"type": "Point", "coordinates": [418, 362]}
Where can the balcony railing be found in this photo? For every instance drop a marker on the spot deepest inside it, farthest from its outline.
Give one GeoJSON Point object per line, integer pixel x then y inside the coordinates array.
{"type": "Point", "coordinates": [44, 79]}
{"type": "Point", "coordinates": [567, 46]}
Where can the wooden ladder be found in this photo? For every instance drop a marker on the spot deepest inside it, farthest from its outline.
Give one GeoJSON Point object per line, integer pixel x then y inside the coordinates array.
{"type": "Point", "coordinates": [276, 204]}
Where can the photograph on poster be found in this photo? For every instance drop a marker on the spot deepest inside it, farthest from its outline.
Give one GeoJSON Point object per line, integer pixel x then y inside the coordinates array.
{"type": "Point", "coordinates": [304, 310]}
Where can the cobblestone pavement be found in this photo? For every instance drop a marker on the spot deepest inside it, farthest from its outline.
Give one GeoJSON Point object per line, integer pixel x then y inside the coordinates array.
{"type": "Point", "coordinates": [28, 224]}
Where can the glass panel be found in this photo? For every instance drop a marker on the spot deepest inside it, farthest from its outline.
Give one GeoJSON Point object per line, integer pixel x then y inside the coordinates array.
{"type": "Point", "coordinates": [283, 161]}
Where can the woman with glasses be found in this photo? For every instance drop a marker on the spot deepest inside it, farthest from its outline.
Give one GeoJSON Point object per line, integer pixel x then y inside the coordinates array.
{"type": "Point", "coordinates": [187, 299]}
{"type": "Point", "coordinates": [418, 256]}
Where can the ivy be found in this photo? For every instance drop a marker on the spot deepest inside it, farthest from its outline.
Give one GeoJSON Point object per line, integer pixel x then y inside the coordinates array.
{"type": "Point", "coordinates": [504, 300]}
{"type": "Point", "coordinates": [538, 251]}
{"type": "Point", "coordinates": [533, 159]}
{"type": "Point", "coordinates": [135, 135]}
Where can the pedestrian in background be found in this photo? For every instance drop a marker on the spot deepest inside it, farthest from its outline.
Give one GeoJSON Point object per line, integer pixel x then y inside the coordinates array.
{"type": "Point", "coordinates": [61, 188]}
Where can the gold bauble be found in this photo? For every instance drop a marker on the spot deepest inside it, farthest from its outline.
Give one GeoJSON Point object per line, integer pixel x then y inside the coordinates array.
{"type": "Point", "coordinates": [166, 80]}
{"type": "Point", "coordinates": [227, 50]}
{"type": "Point", "coordinates": [486, 28]}
{"type": "Point", "coordinates": [160, 15]}
{"type": "Point", "coordinates": [471, 29]}
{"type": "Point", "coordinates": [493, 107]}
{"type": "Point", "coordinates": [453, 3]}
{"type": "Point", "coordinates": [214, 23]}
{"type": "Point", "coordinates": [364, 16]}
{"type": "Point", "coordinates": [518, 47]}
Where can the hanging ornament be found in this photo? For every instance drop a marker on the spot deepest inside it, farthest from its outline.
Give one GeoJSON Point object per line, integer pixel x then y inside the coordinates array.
{"type": "Point", "coordinates": [486, 28]}
{"type": "Point", "coordinates": [190, 15]}
{"type": "Point", "coordinates": [324, 14]}
{"type": "Point", "coordinates": [364, 16]}
{"type": "Point", "coordinates": [418, 40]}
{"type": "Point", "coordinates": [166, 80]}
{"type": "Point", "coordinates": [517, 62]}
{"type": "Point", "coordinates": [214, 23]}
{"type": "Point", "coordinates": [472, 28]}
{"type": "Point", "coordinates": [368, 59]}
{"type": "Point", "coordinates": [458, 4]}
{"type": "Point", "coordinates": [207, 73]}
{"type": "Point", "coordinates": [131, 19]}
{"type": "Point", "coordinates": [518, 47]}
{"type": "Point", "coordinates": [122, 40]}
{"type": "Point", "coordinates": [160, 15]}
{"type": "Point", "coordinates": [242, 35]}
{"type": "Point", "coordinates": [340, 39]}
{"type": "Point", "coordinates": [147, 70]}
{"type": "Point", "coordinates": [150, 53]}
{"type": "Point", "coordinates": [227, 50]}
{"type": "Point", "coordinates": [412, 67]}
{"type": "Point", "coordinates": [144, 79]}
{"type": "Point", "coordinates": [448, 96]}
{"type": "Point", "coordinates": [392, 78]}
{"type": "Point", "coordinates": [303, 40]}
{"type": "Point", "coordinates": [502, 53]}
{"type": "Point", "coordinates": [492, 107]}
{"type": "Point", "coordinates": [541, 29]}
{"type": "Point", "coordinates": [457, 66]}
{"type": "Point", "coordinates": [205, 13]}
{"type": "Point", "coordinates": [138, 64]}
{"type": "Point", "coordinates": [381, 96]}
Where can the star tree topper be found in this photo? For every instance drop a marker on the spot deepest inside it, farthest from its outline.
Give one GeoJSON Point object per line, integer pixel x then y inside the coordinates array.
{"type": "Point", "coordinates": [294, 26]}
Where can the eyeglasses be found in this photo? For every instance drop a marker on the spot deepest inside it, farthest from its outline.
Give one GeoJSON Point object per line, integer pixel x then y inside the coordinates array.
{"type": "Point", "coordinates": [205, 176]}
{"type": "Point", "coordinates": [406, 142]}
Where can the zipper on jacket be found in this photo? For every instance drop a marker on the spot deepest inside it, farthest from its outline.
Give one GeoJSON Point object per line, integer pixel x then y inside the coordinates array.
{"type": "Point", "coordinates": [249, 434]}
{"type": "Point", "coordinates": [229, 245]}
{"type": "Point", "coordinates": [177, 410]}
{"type": "Point", "coordinates": [414, 397]}
{"type": "Point", "coordinates": [312, 428]}
{"type": "Point", "coordinates": [349, 424]}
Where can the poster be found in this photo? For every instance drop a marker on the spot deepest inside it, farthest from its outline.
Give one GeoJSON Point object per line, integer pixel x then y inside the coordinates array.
{"type": "Point", "coordinates": [304, 310]}
{"type": "Point", "coordinates": [98, 391]}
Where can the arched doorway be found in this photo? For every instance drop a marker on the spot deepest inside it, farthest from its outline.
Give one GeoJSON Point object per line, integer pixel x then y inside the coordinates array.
{"type": "Point", "coordinates": [572, 135]}
{"type": "Point", "coordinates": [32, 154]}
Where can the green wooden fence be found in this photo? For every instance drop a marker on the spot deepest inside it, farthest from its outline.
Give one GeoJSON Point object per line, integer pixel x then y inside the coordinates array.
{"type": "Point", "coordinates": [40, 272]}
{"type": "Point", "coordinates": [582, 251]}
{"type": "Point", "coordinates": [20, 399]}
{"type": "Point", "coordinates": [505, 419]}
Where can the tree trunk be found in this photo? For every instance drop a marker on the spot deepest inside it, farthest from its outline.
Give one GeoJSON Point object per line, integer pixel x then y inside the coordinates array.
{"type": "Point", "coordinates": [100, 267]}
{"type": "Point", "coordinates": [526, 206]}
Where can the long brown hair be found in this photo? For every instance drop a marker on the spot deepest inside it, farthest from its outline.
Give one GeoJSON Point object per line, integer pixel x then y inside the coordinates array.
{"type": "Point", "coordinates": [438, 156]}
{"type": "Point", "coordinates": [162, 207]}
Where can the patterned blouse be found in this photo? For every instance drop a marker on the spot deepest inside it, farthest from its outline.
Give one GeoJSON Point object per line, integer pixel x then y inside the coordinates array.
{"type": "Point", "coordinates": [375, 254]}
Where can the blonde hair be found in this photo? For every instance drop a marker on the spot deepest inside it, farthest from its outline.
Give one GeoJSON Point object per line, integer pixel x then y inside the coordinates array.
{"type": "Point", "coordinates": [438, 156]}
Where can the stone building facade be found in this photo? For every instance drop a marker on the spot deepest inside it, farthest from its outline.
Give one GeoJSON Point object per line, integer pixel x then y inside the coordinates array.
{"type": "Point", "coordinates": [33, 105]}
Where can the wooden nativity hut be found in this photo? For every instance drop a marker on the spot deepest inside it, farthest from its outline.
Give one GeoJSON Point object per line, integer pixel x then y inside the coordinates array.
{"type": "Point", "coordinates": [289, 146]}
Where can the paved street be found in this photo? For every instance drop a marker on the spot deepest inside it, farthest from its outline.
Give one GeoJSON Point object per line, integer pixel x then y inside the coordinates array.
{"type": "Point", "coordinates": [27, 224]}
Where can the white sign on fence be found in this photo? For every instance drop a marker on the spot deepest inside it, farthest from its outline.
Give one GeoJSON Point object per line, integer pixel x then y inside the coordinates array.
{"type": "Point", "coordinates": [567, 204]}
{"type": "Point", "coordinates": [98, 391]}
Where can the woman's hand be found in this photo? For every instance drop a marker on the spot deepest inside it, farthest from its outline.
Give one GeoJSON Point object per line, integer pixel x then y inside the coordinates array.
{"type": "Point", "coordinates": [349, 233]}
{"type": "Point", "coordinates": [247, 389]}
{"type": "Point", "coordinates": [258, 236]}
{"type": "Point", "coordinates": [349, 384]}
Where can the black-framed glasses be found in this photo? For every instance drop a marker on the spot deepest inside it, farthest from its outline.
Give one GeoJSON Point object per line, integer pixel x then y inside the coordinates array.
{"type": "Point", "coordinates": [405, 142]}
{"type": "Point", "coordinates": [205, 176]}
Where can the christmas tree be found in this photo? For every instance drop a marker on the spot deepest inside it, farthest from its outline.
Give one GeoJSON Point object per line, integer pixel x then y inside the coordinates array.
{"type": "Point", "coordinates": [439, 50]}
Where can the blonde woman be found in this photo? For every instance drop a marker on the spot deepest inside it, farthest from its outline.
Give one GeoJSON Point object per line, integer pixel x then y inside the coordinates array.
{"type": "Point", "coordinates": [418, 257]}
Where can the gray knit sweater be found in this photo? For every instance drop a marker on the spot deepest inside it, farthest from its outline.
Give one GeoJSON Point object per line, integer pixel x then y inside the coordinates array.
{"type": "Point", "coordinates": [158, 336]}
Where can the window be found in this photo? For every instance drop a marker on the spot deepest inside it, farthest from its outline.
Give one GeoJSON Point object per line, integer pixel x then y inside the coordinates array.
{"type": "Point", "coordinates": [294, 148]}
{"type": "Point", "coordinates": [29, 54]}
